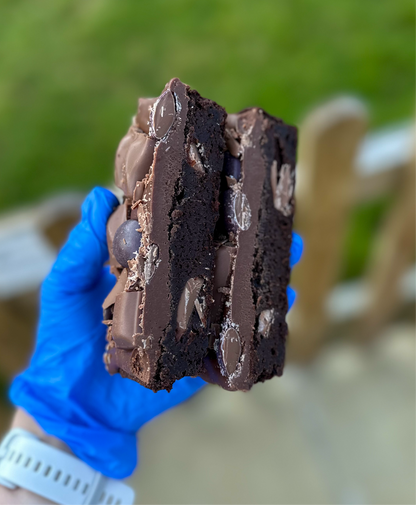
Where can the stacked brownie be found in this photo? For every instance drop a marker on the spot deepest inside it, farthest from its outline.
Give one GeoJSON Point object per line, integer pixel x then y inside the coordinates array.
{"type": "Point", "coordinates": [200, 245]}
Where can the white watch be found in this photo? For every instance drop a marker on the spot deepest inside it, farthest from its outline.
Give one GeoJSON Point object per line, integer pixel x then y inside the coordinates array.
{"type": "Point", "coordinates": [27, 462]}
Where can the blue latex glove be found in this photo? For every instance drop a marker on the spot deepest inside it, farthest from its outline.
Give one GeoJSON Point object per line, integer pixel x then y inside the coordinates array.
{"type": "Point", "coordinates": [66, 387]}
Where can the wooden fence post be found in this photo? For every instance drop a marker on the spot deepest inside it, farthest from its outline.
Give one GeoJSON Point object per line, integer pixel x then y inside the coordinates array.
{"type": "Point", "coordinates": [326, 179]}
{"type": "Point", "coordinates": [393, 254]}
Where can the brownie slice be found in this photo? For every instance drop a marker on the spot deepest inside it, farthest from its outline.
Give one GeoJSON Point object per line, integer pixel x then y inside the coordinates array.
{"type": "Point", "coordinates": [161, 239]}
{"type": "Point", "coordinates": [253, 237]}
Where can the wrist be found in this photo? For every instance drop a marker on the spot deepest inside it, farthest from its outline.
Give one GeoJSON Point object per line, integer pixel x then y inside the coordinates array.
{"type": "Point", "coordinates": [23, 420]}
{"type": "Point", "coordinates": [20, 495]}
{"type": "Point", "coordinates": [38, 468]}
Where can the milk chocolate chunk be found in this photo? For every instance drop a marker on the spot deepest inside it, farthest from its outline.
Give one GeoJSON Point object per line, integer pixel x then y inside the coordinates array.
{"type": "Point", "coordinates": [117, 289]}
{"type": "Point", "coordinates": [126, 318]}
{"type": "Point", "coordinates": [230, 350]}
{"type": "Point", "coordinates": [162, 115]}
{"type": "Point", "coordinates": [139, 158]}
{"type": "Point", "coordinates": [143, 113]}
{"type": "Point", "coordinates": [127, 241]}
{"type": "Point", "coordinates": [120, 177]}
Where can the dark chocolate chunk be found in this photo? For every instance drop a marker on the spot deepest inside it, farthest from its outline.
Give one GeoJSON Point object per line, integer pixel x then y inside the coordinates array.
{"type": "Point", "coordinates": [162, 115]}
{"type": "Point", "coordinates": [127, 241]}
{"type": "Point", "coordinates": [230, 350]}
{"type": "Point", "coordinates": [126, 318]}
{"type": "Point", "coordinates": [237, 212]}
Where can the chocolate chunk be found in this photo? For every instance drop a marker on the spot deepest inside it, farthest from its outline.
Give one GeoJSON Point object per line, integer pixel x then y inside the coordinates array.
{"type": "Point", "coordinates": [162, 115]}
{"type": "Point", "coordinates": [126, 318]}
{"type": "Point", "coordinates": [120, 178]}
{"type": "Point", "coordinates": [237, 210]}
{"type": "Point", "coordinates": [242, 211]}
{"type": "Point", "coordinates": [138, 191]}
{"type": "Point", "coordinates": [194, 159]}
{"type": "Point", "coordinates": [143, 113]}
{"type": "Point", "coordinates": [232, 166]}
{"type": "Point", "coordinates": [139, 158]}
{"type": "Point", "coordinates": [151, 263]}
{"type": "Point", "coordinates": [116, 219]}
{"type": "Point", "coordinates": [266, 319]}
{"type": "Point", "coordinates": [230, 350]}
{"type": "Point", "coordinates": [117, 289]}
{"type": "Point", "coordinates": [187, 301]}
{"type": "Point", "coordinates": [282, 189]}
{"type": "Point", "coordinates": [127, 241]}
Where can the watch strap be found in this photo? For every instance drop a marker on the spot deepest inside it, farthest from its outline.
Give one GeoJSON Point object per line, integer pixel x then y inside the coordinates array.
{"type": "Point", "coordinates": [27, 462]}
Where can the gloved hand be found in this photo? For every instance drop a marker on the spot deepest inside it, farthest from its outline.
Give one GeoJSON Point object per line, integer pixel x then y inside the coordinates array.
{"type": "Point", "coordinates": [66, 388]}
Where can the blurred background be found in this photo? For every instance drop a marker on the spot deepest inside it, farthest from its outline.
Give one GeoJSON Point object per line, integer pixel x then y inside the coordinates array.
{"type": "Point", "coordinates": [339, 426]}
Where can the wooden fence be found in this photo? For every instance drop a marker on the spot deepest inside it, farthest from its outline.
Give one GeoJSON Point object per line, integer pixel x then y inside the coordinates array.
{"type": "Point", "coordinates": [335, 173]}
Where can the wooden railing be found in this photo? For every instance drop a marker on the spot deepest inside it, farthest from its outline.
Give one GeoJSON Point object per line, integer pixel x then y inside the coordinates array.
{"type": "Point", "coordinates": [337, 168]}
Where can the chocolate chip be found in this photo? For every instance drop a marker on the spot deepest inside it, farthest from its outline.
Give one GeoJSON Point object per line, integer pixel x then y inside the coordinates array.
{"type": "Point", "coordinates": [162, 115]}
{"type": "Point", "coordinates": [232, 166]}
{"type": "Point", "coordinates": [127, 241]}
{"type": "Point", "coordinates": [230, 350]}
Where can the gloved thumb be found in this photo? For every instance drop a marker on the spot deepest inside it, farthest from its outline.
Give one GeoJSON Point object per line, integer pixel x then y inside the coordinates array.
{"type": "Point", "coordinates": [79, 263]}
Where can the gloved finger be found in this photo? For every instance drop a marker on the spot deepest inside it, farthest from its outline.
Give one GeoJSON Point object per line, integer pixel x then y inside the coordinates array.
{"type": "Point", "coordinates": [291, 296]}
{"type": "Point", "coordinates": [79, 264]}
{"type": "Point", "coordinates": [296, 249]}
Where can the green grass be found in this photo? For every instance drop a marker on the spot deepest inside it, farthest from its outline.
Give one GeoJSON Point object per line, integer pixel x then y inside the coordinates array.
{"type": "Point", "coordinates": [71, 71]}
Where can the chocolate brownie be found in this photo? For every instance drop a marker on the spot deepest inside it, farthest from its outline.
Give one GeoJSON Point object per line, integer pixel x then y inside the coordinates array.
{"type": "Point", "coordinates": [253, 238]}
{"type": "Point", "coordinates": [200, 244]}
{"type": "Point", "coordinates": [161, 239]}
